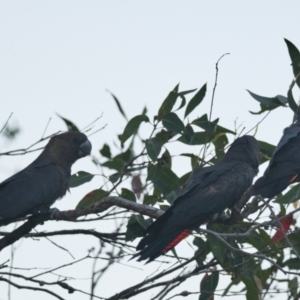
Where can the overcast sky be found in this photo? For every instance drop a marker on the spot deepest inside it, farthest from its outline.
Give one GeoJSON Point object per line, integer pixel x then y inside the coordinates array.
{"type": "Point", "coordinates": [62, 56]}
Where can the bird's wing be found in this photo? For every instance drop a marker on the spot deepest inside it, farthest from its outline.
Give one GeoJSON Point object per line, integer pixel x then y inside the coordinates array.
{"type": "Point", "coordinates": [218, 190]}
{"type": "Point", "coordinates": [35, 187]}
{"type": "Point", "coordinates": [285, 160]}
{"type": "Point", "coordinates": [290, 136]}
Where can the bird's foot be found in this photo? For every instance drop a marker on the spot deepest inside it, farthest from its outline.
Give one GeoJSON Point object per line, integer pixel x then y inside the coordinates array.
{"type": "Point", "coordinates": [259, 198]}
{"type": "Point", "coordinates": [223, 216]}
{"type": "Point", "coordinates": [237, 209]}
{"type": "Point", "coordinates": [53, 211]}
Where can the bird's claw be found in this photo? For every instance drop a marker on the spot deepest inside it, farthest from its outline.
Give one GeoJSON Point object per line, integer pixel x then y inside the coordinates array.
{"type": "Point", "coordinates": [223, 216]}
{"type": "Point", "coordinates": [53, 211]}
{"type": "Point", "coordinates": [237, 209]}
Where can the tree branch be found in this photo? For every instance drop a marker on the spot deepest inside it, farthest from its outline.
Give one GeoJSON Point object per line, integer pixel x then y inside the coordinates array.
{"type": "Point", "coordinates": [30, 288]}
{"type": "Point", "coordinates": [72, 215]}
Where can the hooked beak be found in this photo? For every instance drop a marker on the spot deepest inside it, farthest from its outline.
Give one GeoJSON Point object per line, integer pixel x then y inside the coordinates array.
{"type": "Point", "coordinates": [85, 149]}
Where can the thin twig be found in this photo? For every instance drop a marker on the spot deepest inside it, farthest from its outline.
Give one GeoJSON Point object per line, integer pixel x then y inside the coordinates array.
{"type": "Point", "coordinates": [6, 122]}
{"type": "Point", "coordinates": [215, 86]}
{"type": "Point", "coordinates": [30, 288]}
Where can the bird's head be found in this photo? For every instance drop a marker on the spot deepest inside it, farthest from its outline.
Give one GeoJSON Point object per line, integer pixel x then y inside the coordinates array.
{"type": "Point", "coordinates": [245, 149]}
{"type": "Point", "coordinates": [64, 149]}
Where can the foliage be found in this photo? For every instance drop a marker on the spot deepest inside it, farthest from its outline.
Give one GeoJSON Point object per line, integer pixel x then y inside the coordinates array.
{"type": "Point", "coordinates": [141, 171]}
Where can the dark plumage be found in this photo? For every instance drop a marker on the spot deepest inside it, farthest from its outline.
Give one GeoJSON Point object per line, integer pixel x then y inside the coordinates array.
{"type": "Point", "coordinates": [284, 166]}
{"type": "Point", "coordinates": [35, 188]}
{"type": "Point", "coordinates": [209, 191]}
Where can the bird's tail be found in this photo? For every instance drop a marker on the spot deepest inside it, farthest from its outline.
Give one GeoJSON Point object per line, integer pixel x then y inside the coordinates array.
{"type": "Point", "coordinates": [152, 246]}
{"type": "Point", "coordinates": [270, 188]}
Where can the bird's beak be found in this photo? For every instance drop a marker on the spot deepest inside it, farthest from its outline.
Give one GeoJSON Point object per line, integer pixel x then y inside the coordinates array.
{"type": "Point", "coordinates": [85, 149]}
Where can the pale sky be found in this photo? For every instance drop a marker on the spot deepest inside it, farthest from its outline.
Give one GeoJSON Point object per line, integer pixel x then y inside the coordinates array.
{"type": "Point", "coordinates": [61, 56]}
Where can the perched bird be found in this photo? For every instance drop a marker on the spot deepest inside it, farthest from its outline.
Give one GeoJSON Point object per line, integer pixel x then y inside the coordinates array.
{"type": "Point", "coordinates": [284, 166]}
{"type": "Point", "coordinates": [46, 179]}
{"type": "Point", "coordinates": [209, 191]}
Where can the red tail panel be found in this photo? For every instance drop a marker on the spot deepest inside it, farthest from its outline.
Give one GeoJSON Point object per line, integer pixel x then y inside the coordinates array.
{"type": "Point", "coordinates": [178, 239]}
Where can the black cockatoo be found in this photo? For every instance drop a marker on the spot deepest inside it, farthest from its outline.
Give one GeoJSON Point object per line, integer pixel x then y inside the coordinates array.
{"type": "Point", "coordinates": [284, 166]}
{"type": "Point", "coordinates": [209, 190]}
{"type": "Point", "coordinates": [46, 179]}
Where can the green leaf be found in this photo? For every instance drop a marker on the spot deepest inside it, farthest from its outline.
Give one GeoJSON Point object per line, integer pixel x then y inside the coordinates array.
{"type": "Point", "coordinates": [218, 248]}
{"type": "Point", "coordinates": [115, 164]}
{"type": "Point", "coordinates": [153, 147]}
{"type": "Point", "coordinates": [264, 274]}
{"type": "Point", "coordinates": [164, 207]}
{"type": "Point", "coordinates": [105, 151]}
{"type": "Point", "coordinates": [151, 200]}
{"type": "Point", "coordinates": [188, 134]}
{"type": "Point", "coordinates": [153, 172]}
{"type": "Point", "coordinates": [182, 96]}
{"type": "Point", "coordinates": [295, 58]}
{"type": "Point", "coordinates": [211, 127]}
{"type": "Point", "coordinates": [251, 287]}
{"type": "Point", "coordinates": [293, 286]}
{"type": "Point", "coordinates": [80, 178]}
{"type": "Point", "coordinates": [268, 104]}
{"type": "Point", "coordinates": [169, 177]}
{"type": "Point", "coordinates": [195, 162]}
{"type": "Point", "coordinates": [220, 141]}
{"type": "Point", "coordinates": [266, 149]}
{"type": "Point", "coordinates": [292, 263]}
{"type": "Point", "coordinates": [144, 110]}
{"type": "Point", "coordinates": [276, 101]}
{"type": "Point", "coordinates": [171, 194]}
{"type": "Point", "coordinates": [136, 227]}
{"type": "Point", "coordinates": [129, 170]}
{"type": "Point", "coordinates": [208, 286]}
{"type": "Point", "coordinates": [118, 105]}
{"type": "Point", "coordinates": [127, 194]}
{"type": "Point", "coordinates": [165, 135]}
{"type": "Point", "coordinates": [220, 129]}
{"type": "Point", "coordinates": [200, 252]}
{"type": "Point", "coordinates": [92, 197]}
{"type": "Point", "coordinates": [260, 240]}
{"type": "Point", "coordinates": [132, 127]}
{"type": "Point", "coordinates": [166, 159]}
{"type": "Point", "coordinates": [70, 125]}
{"type": "Point", "coordinates": [114, 177]}
{"type": "Point", "coordinates": [293, 50]}
{"type": "Point", "coordinates": [194, 159]}
{"type": "Point", "coordinates": [183, 179]}
{"type": "Point", "coordinates": [125, 156]}
{"type": "Point", "coordinates": [292, 103]}
{"type": "Point", "coordinates": [173, 123]}
{"type": "Point", "coordinates": [199, 138]}
{"type": "Point", "coordinates": [168, 103]}
{"type": "Point", "coordinates": [195, 101]}
{"type": "Point", "coordinates": [198, 242]}
{"type": "Point", "coordinates": [183, 93]}
{"type": "Point", "coordinates": [291, 196]}
{"type": "Point", "coordinates": [182, 104]}
{"type": "Point", "coordinates": [295, 241]}
{"type": "Point", "coordinates": [203, 123]}
{"type": "Point", "coordinates": [165, 180]}
{"type": "Point", "coordinates": [263, 108]}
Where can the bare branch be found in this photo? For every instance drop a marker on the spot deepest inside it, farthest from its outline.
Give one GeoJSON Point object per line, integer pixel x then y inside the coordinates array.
{"type": "Point", "coordinates": [215, 86]}
{"type": "Point", "coordinates": [30, 288]}
{"type": "Point", "coordinates": [6, 123]}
